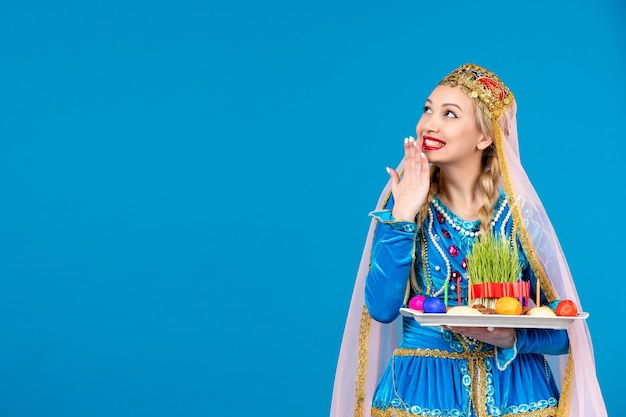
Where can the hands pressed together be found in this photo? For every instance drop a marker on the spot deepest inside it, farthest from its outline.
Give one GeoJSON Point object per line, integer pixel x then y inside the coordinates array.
{"type": "Point", "coordinates": [410, 191]}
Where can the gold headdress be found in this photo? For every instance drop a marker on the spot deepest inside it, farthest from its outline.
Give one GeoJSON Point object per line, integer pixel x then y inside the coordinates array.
{"type": "Point", "coordinates": [478, 82]}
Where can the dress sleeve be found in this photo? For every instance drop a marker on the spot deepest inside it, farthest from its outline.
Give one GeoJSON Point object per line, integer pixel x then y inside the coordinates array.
{"type": "Point", "coordinates": [390, 266]}
{"type": "Point", "coordinates": [541, 341]}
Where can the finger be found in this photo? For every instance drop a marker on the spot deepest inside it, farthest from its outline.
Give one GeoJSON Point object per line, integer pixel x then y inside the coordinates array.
{"type": "Point", "coordinates": [393, 176]}
{"type": "Point", "coordinates": [407, 148]}
{"type": "Point", "coordinates": [425, 168]}
{"type": "Point", "coordinates": [412, 148]}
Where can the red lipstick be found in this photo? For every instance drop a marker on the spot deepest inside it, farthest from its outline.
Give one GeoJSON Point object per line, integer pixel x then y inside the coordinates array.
{"type": "Point", "coordinates": [432, 144]}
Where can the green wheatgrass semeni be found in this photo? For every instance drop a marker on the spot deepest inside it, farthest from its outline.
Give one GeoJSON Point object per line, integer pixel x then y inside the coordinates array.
{"type": "Point", "coordinates": [492, 259]}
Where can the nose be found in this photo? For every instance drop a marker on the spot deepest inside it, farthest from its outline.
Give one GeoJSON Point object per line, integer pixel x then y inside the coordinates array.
{"type": "Point", "coordinates": [428, 124]}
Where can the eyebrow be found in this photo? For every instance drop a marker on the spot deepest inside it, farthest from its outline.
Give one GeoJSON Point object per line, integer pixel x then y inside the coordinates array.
{"type": "Point", "coordinates": [446, 104]}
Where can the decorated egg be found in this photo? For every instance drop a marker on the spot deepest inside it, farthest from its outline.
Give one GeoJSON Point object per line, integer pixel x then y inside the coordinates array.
{"type": "Point", "coordinates": [433, 305]}
{"type": "Point", "coordinates": [508, 305]}
{"type": "Point", "coordinates": [566, 308]}
{"type": "Point", "coordinates": [416, 302]}
{"type": "Point", "coordinates": [543, 311]}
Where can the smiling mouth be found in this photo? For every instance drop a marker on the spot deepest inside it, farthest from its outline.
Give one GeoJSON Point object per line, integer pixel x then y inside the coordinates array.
{"type": "Point", "coordinates": [429, 143]}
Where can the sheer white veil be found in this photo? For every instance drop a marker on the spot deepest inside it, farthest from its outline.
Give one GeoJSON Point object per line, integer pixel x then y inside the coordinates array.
{"type": "Point", "coordinates": [367, 345]}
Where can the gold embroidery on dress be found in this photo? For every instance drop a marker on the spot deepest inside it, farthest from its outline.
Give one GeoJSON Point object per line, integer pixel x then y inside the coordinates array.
{"type": "Point", "coordinates": [436, 353]}
{"type": "Point", "coordinates": [566, 386]}
{"type": "Point", "coordinates": [395, 412]}
{"type": "Point", "coordinates": [361, 372]}
{"type": "Point", "coordinates": [477, 368]}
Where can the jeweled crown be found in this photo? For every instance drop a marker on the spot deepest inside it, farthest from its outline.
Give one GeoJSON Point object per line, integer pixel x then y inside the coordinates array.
{"type": "Point", "coordinates": [478, 82]}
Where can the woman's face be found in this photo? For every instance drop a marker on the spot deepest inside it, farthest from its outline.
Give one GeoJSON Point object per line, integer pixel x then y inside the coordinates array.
{"type": "Point", "coordinates": [447, 131]}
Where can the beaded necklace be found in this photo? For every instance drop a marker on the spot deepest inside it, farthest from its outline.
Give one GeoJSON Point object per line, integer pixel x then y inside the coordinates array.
{"type": "Point", "coordinates": [462, 226]}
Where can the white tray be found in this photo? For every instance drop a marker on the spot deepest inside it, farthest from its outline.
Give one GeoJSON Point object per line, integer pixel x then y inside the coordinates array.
{"type": "Point", "coordinates": [491, 320]}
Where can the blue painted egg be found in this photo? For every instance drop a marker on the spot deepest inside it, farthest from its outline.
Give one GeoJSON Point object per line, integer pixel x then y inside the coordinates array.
{"type": "Point", "coordinates": [434, 305]}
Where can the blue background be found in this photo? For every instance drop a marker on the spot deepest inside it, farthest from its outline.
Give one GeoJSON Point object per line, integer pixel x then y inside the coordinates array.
{"type": "Point", "coordinates": [185, 185]}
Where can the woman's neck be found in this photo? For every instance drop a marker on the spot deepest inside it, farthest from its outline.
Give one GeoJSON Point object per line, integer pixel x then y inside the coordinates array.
{"type": "Point", "coordinates": [461, 194]}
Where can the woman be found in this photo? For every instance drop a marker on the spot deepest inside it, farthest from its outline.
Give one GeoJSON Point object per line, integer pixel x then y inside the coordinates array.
{"type": "Point", "coordinates": [458, 181]}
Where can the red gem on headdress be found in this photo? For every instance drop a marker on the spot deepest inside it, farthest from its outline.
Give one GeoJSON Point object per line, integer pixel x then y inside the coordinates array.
{"type": "Point", "coordinates": [440, 218]}
{"type": "Point", "coordinates": [453, 250]}
{"type": "Point", "coordinates": [464, 264]}
{"type": "Point", "coordinates": [445, 233]}
{"type": "Point", "coordinates": [493, 86]}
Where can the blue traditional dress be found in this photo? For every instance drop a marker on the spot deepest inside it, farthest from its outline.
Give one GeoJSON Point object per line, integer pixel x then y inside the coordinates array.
{"type": "Point", "coordinates": [435, 372]}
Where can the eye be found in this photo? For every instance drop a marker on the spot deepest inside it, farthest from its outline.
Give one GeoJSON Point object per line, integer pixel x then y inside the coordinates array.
{"type": "Point", "coordinates": [450, 114]}
{"type": "Point", "coordinates": [427, 109]}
